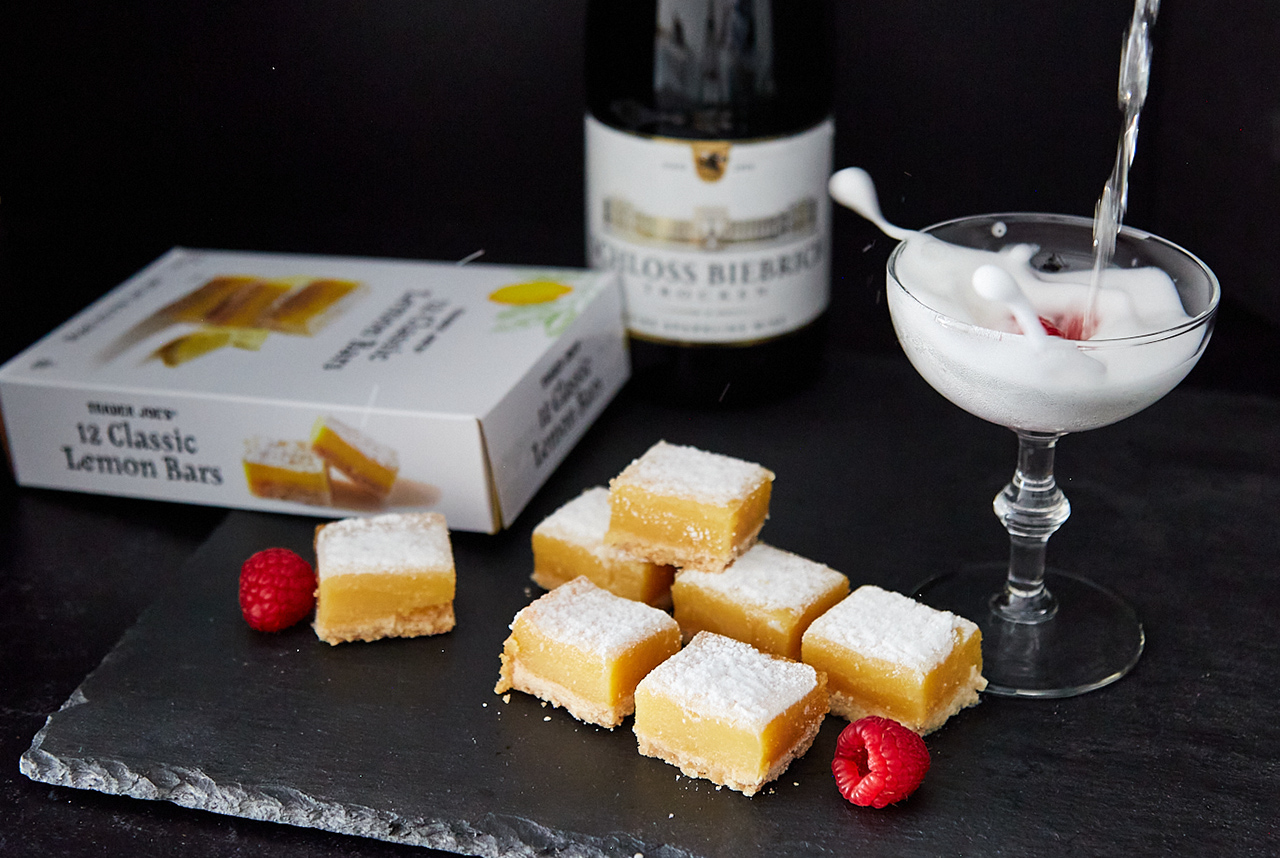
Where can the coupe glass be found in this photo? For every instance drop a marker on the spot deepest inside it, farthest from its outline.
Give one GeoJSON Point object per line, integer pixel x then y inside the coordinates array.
{"type": "Point", "coordinates": [1047, 634]}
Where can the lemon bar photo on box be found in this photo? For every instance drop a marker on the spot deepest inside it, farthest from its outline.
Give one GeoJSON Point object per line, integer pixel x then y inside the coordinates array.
{"type": "Point", "coordinates": [285, 470]}
{"type": "Point", "coordinates": [202, 304]}
{"type": "Point", "coordinates": [687, 507]}
{"type": "Point", "coordinates": [369, 464]}
{"type": "Point", "coordinates": [248, 305]}
{"type": "Point", "coordinates": [306, 310]}
{"type": "Point", "coordinates": [581, 647]}
{"type": "Point", "coordinates": [722, 710]}
{"type": "Point", "coordinates": [767, 598]}
{"type": "Point", "coordinates": [384, 576]}
{"type": "Point", "coordinates": [570, 543]}
{"type": "Point", "coordinates": [887, 654]}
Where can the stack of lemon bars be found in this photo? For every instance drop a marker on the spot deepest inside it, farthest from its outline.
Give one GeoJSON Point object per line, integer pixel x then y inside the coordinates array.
{"type": "Point", "coordinates": [668, 555]}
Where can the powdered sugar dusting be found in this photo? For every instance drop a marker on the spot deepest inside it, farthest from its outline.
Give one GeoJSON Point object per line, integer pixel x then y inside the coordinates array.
{"type": "Point", "coordinates": [291, 455]}
{"type": "Point", "coordinates": [718, 677]}
{"type": "Point", "coordinates": [892, 627]}
{"type": "Point", "coordinates": [583, 521]}
{"type": "Point", "coordinates": [770, 578]}
{"type": "Point", "coordinates": [396, 542]}
{"type": "Point", "coordinates": [593, 619]}
{"type": "Point", "coordinates": [368, 447]}
{"type": "Point", "coordinates": [687, 472]}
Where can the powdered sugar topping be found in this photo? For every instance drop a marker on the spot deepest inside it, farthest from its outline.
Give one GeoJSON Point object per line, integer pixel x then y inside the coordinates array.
{"type": "Point", "coordinates": [368, 447]}
{"type": "Point", "coordinates": [889, 626]}
{"type": "Point", "coordinates": [770, 578]}
{"type": "Point", "coordinates": [393, 543]}
{"type": "Point", "coordinates": [583, 521]}
{"type": "Point", "coordinates": [593, 619]}
{"type": "Point", "coordinates": [687, 472]}
{"type": "Point", "coordinates": [721, 678]}
{"type": "Point", "coordinates": [290, 455]}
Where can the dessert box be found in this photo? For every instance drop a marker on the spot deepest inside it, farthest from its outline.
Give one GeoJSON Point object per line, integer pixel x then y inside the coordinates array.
{"type": "Point", "coordinates": [319, 385]}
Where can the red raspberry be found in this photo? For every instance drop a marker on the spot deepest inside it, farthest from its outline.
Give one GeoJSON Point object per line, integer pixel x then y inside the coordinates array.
{"type": "Point", "coordinates": [878, 762]}
{"type": "Point", "coordinates": [1066, 327]}
{"type": "Point", "coordinates": [277, 589]}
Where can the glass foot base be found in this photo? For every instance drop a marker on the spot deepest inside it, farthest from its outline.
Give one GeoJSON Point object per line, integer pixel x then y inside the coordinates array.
{"type": "Point", "coordinates": [1092, 640]}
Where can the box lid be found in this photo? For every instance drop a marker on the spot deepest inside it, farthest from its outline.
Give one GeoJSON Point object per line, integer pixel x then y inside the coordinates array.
{"type": "Point", "coordinates": [406, 335]}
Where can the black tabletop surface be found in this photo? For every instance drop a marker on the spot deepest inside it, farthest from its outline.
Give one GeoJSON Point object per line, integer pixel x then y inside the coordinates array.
{"type": "Point", "coordinates": [877, 476]}
{"type": "Point", "coordinates": [430, 130]}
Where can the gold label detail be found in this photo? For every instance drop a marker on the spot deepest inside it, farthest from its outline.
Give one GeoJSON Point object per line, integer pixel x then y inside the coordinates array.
{"type": "Point", "coordinates": [710, 159]}
{"type": "Point", "coordinates": [710, 228]}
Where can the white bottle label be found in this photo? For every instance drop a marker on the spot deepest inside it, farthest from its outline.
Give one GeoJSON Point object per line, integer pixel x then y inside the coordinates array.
{"type": "Point", "coordinates": [716, 241]}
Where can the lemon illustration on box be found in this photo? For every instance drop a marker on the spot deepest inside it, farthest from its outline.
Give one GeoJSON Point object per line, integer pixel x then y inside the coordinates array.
{"type": "Point", "coordinates": [545, 302]}
{"type": "Point", "coordinates": [532, 292]}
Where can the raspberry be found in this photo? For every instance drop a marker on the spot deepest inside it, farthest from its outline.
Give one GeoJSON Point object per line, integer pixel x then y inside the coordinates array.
{"type": "Point", "coordinates": [878, 762]}
{"type": "Point", "coordinates": [277, 589]}
{"type": "Point", "coordinates": [1066, 327]}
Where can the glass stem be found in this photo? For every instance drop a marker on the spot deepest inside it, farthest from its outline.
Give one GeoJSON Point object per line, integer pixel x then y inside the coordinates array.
{"type": "Point", "coordinates": [1032, 508]}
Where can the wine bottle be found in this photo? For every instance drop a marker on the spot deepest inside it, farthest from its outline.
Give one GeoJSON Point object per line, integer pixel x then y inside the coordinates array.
{"type": "Point", "coordinates": [709, 144]}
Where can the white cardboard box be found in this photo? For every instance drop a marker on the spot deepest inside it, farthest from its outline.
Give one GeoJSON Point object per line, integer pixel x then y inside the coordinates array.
{"type": "Point", "coordinates": [472, 381]}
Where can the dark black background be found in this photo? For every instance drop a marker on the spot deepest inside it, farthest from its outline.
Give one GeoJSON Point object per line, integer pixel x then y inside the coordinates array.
{"type": "Point", "coordinates": [432, 129]}
{"type": "Point", "coordinates": [435, 128]}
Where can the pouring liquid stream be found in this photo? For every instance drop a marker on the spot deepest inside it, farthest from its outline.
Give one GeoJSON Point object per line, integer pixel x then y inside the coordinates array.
{"type": "Point", "coordinates": [854, 188]}
{"type": "Point", "coordinates": [1135, 73]}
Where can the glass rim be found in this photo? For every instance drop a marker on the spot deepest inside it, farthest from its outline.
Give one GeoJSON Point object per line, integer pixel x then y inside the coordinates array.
{"type": "Point", "coordinates": [1196, 321]}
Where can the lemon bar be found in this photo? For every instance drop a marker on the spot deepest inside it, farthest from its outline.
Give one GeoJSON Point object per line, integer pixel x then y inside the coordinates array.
{"type": "Point", "coordinates": [583, 648]}
{"type": "Point", "coordinates": [368, 463]}
{"type": "Point", "coordinates": [767, 598]}
{"type": "Point", "coordinates": [248, 305]}
{"type": "Point", "coordinates": [689, 508]}
{"type": "Point", "coordinates": [285, 470]}
{"type": "Point", "coordinates": [886, 654]}
{"type": "Point", "coordinates": [722, 710]}
{"type": "Point", "coordinates": [193, 345]}
{"type": "Point", "coordinates": [305, 311]}
{"type": "Point", "coordinates": [570, 542]}
{"type": "Point", "coordinates": [249, 339]}
{"type": "Point", "coordinates": [384, 576]}
{"type": "Point", "coordinates": [199, 305]}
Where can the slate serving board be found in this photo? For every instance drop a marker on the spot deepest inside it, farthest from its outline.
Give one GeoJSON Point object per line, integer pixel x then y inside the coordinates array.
{"type": "Point", "coordinates": [405, 741]}
{"type": "Point", "coordinates": [401, 740]}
